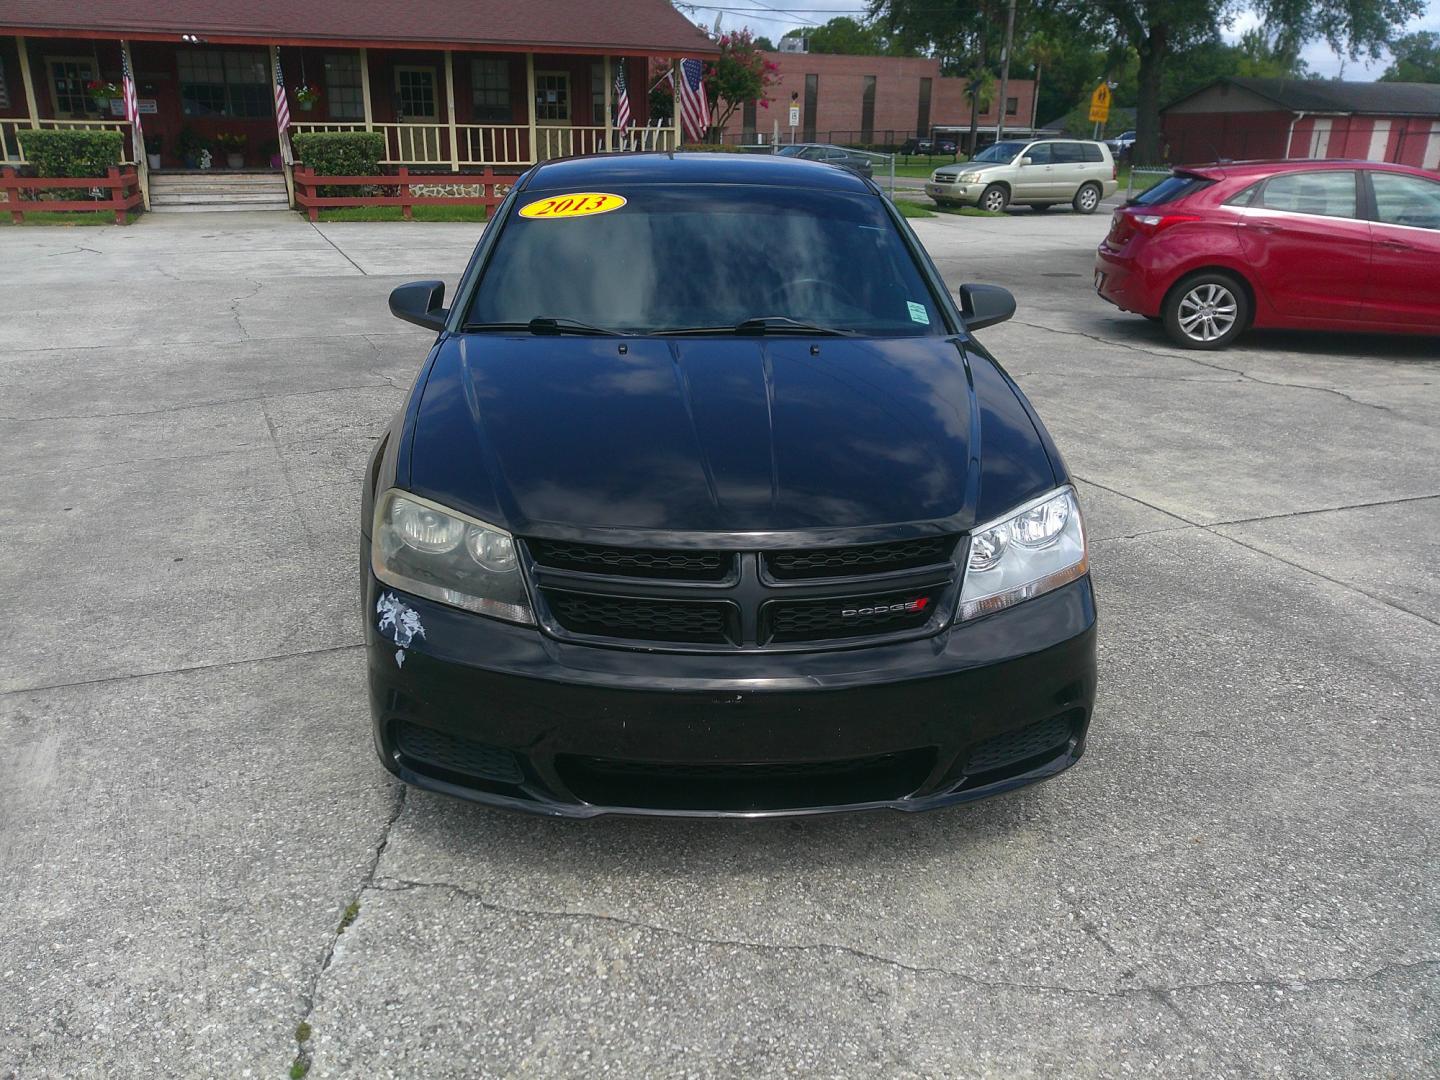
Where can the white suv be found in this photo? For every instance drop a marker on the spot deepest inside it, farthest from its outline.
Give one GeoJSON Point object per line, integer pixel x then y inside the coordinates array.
{"type": "Point", "coordinates": [1038, 173]}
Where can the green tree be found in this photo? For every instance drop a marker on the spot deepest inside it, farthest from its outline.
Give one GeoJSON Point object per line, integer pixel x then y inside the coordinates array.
{"type": "Point", "coordinates": [1160, 30]}
{"type": "Point", "coordinates": [1417, 59]}
{"type": "Point", "coordinates": [851, 37]}
{"type": "Point", "coordinates": [764, 44]}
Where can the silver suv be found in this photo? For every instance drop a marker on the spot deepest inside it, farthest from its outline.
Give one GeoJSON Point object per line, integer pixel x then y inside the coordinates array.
{"type": "Point", "coordinates": [1038, 173]}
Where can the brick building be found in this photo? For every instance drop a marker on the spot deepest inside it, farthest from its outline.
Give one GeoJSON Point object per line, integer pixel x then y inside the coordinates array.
{"type": "Point", "coordinates": [872, 99]}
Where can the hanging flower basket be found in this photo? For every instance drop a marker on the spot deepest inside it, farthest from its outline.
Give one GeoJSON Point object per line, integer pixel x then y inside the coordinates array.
{"type": "Point", "coordinates": [306, 96]}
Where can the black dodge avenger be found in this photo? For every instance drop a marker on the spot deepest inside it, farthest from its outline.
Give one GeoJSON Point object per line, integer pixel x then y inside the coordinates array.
{"type": "Point", "coordinates": [707, 501]}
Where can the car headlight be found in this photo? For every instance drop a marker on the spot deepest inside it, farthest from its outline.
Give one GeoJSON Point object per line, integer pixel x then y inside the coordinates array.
{"type": "Point", "coordinates": [442, 554]}
{"type": "Point", "coordinates": [970, 178]}
{"type": "Point", "coordinates": [1032, 550]}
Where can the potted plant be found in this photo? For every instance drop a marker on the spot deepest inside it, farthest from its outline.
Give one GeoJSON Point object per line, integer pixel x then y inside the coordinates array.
{"type": "Point", "coordinates": [102, 92]}
{"type": "Point", "coordinates": [154, 147]}
{"type": "Point", "coordinates": [233, 143]}
{"type": "Point", "coordinates": [188, 145]}
{"type": "Point", "coordinates": [306, 96]}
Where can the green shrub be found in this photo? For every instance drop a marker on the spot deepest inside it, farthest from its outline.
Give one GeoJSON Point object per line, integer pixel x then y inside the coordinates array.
{"type": "Point", "coordinates": [341, 153]}
{"type": "Point", "coordinates": [72, 153]}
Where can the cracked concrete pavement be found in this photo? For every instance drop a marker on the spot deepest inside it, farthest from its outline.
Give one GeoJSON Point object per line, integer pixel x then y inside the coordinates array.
{"type": "Point", "coordinates": [199, 854]}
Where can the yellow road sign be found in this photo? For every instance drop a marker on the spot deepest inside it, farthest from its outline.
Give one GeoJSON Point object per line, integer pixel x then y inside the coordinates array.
{"type": "Point", "coordinates": [1100, 104]}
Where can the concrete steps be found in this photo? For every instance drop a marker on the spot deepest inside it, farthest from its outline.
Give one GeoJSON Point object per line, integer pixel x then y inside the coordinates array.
{"type": "Point", "coordinates": [212, 190]}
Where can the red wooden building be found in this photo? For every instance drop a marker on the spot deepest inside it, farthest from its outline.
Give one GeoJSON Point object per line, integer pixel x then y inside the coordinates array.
{"type": "Point", "coordinates": [454, 85]}
{"type": "Point", "coordinates": [1306, 118]}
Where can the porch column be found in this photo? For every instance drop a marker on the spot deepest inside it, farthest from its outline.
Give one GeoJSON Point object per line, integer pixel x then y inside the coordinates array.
{"type": "Point", "coordinates": [365, 89]}
{"type": "Point", "coordinates": [29, 83]}
{"type": "Point", "coordinates": [675, 77]}
{"type": "Point", "coordinates": [530, 83]}
{"type": "Point", "coordinates": [609, 91]}
{"type": "Point", "coordinates": [450, 110]}
{"type": "Point", "coordinates": [142, 163]}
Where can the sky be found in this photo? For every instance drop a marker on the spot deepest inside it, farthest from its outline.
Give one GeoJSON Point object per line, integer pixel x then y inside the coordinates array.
{"type": "Point", "coordinates": [773, 17]}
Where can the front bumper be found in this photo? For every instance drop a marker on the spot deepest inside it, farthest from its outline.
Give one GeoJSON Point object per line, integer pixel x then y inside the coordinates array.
{"type": "Point", "coordinates": [507, 716]}
{"type": "Point", "coordinates": [954, 193]}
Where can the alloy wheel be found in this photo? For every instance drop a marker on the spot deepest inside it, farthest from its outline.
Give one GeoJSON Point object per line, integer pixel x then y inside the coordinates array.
{"type": "Point", "coordinates": [1088, 198]}
{"type": "Point", "coordinates": [994, 201]}
{"type": "Point", "coordinates": [1207, 312]}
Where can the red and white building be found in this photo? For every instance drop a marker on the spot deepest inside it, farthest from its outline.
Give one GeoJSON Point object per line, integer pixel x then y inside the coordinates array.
{"type": "Point", "coordinates": [1245, 119]}
{"type": "Point", "coordinates": [454, 85]}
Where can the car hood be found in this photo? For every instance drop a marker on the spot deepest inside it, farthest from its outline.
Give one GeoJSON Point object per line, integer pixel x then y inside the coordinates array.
{"type": "Point", "coordinates": [572, 436]}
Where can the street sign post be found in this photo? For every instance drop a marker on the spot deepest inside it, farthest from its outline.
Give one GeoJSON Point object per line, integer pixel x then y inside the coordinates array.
{"type": "Point", "coordinates": [1100, 106]}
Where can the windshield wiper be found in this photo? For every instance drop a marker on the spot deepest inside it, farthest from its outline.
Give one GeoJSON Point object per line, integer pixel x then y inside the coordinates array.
{"type": "Point", "coordinates": [542, 324]}
{"type": "Point", "coordinates": [764, 324]}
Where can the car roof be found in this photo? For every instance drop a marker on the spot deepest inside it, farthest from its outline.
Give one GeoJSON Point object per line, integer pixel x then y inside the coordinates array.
{"type": "Point", "coordinates": [697, 167]}
{"type": "Point", "coordinates": [1267, 167]}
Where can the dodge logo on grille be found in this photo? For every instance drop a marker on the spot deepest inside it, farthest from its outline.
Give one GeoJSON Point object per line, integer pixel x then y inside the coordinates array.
{"type": "Point", "coordinates": [885, 609]}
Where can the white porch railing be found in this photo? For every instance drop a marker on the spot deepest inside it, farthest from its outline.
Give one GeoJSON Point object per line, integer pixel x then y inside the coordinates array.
{"type": "Point", "coordinates": [12, 151]}
{"type": "Point", "coordinates": [493, 144]}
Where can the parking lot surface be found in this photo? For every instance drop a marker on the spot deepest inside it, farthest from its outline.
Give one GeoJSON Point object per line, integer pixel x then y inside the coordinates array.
{"type": "Point", "coordinates": [206, 872]}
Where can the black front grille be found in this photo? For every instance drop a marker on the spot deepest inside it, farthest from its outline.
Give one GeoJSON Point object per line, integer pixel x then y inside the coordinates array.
{"type": "Point", "coordinates": [1047, 738]}
{"type": "Point", "coordinates": [725, 786]}
{"type": "Point", "coordinates": [886, 558]}
{"type": "Point", "coordinates": [457, 754]}
{"type": "Point", "coordinates": [847, 616]}
{"type": "Point", "coordinates": [644, 619]}
{"type": "Point", "coordinates": [675, 565]}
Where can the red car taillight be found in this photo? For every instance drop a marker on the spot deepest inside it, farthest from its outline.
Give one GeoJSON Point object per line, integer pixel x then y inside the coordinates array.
{"type": "Point", "coordinates": [1150, 224]}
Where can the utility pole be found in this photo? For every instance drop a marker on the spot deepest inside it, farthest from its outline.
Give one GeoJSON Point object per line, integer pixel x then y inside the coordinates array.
{"type": "Point", "coordinates": [1005, 73]}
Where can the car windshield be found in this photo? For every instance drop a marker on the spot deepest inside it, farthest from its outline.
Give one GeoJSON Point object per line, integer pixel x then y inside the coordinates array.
{"type": "Point", "coordinates": [791, 150]}
{"type": "Point", "coordinates": [691, 256]}
{"type": "Point", "coordinates": [1000, 151]}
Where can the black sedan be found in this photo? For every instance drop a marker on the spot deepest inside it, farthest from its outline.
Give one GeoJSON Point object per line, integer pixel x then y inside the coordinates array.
{"type": "Point", "coordinates": [707, 501]}
{"type": "Point", "coordinates": [844, 157]}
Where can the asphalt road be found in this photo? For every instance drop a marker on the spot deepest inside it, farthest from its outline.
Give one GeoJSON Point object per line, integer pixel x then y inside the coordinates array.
{"type": "Point", "coordinates": [1239, 879]}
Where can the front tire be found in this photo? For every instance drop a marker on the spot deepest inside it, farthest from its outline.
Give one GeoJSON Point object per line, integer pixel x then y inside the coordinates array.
{"type": "Point", "coordinates": [994, 199]}
{"type": "Point", "coordinates": [1087, 199]}
{"type": "Point", "coordinates": [1206, 311]}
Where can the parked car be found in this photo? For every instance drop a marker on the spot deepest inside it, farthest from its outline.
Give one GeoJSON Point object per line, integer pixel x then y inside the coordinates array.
{"type": "Point", "coordinates": [1121, 145]}
{"type": "Point", "coordinates": [830, 155]}
{"type": "Point", "coordinates": [930, 146]}
{"type": "Point", "coordinates": [1036, 173]}
{"type": "Point", "coordinates": [737, 519]}
{"type": "Point", "coordinates": [1325, 245]}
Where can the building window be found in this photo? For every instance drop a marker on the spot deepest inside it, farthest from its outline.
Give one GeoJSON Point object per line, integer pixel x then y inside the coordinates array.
{"type": "Point", "coordinates": [748, 121]}
{"type": "Point", "coordinates": [490, 89]}
{"type": "Point", "coordinates": [345, 99]}
{"type": "Point", "coordinates": [215, 83]}
{"type": "Point", "coordinates": [812, 96]}
{"type": "Point", "coordinates": [922, 118]}
{"type": "Point", "coordinates": [68, 76]}
{"type": "Point", "coordinates": [552, 95]}
{"type": "Point", "coordinates": [415, 93]}
{"type": "Point", "coordinates": [1012, 106]}
{"type": "Point", "coordinates": [867, 111]}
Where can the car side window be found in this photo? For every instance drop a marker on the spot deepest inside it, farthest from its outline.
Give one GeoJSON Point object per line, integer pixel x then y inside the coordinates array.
{"type": "Point", "coordinates": [1039, 154]}
{"type": "Point", "coordinates": [1067, 153]}
{"type": "Point", "coordinates": [1092, 152]}
{"type": "Point", "coordinates": [1323, 194]}
{"type": "Point", "coordinates": [1246, 197]}
{"type": "Point", "coordinates": [1406, 200]}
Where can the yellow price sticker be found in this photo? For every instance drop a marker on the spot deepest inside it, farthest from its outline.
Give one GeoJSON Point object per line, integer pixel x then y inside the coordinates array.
{"type": "Point", "coordinates": [578, 204]}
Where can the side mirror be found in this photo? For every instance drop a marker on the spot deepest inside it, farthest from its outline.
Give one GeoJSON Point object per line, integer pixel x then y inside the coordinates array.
{"type": "Point", "coordinates": [985, 305]}
{"type": "Point", "coordinates": [1024, 161]}
{"type": "Point", "coordinates": [420, 302]}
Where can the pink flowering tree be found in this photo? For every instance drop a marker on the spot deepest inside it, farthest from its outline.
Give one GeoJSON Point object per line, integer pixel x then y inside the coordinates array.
{"type": "Point", "coordinates": [739, 74]}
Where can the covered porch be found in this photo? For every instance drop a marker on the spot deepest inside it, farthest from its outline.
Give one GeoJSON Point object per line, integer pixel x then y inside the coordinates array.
{"type": "Point", "coordinates": [450, 109]}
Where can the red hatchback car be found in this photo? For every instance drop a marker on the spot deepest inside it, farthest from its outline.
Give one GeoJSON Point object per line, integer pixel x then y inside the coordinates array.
{"type": "Point", "coordinates": [1321, 245]}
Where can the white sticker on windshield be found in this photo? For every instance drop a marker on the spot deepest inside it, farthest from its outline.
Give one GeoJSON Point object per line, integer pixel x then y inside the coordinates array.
{"type": "Point", "coordinates": [918, 313]}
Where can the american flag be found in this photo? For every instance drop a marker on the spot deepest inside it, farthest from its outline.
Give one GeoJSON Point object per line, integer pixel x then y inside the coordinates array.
{"type": "Point", "coordinates": [694, 109]}
{"type": "Point", "coordinates": [622, 98]}
{"type": "Point", "coordinates": [282, 107]}
{"type": "Point", "coordinates": [132, 104]}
